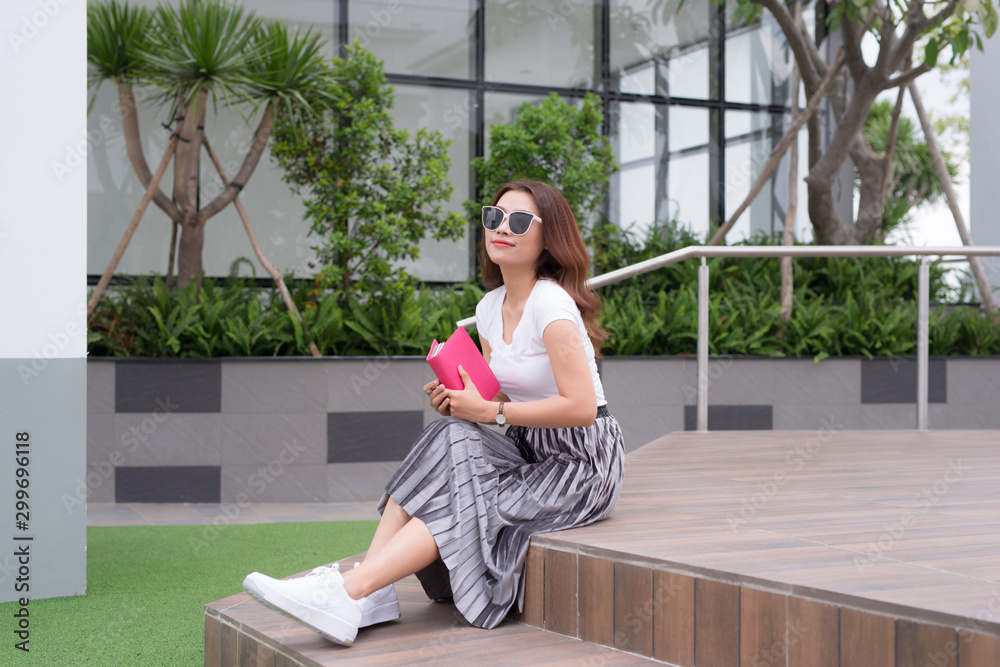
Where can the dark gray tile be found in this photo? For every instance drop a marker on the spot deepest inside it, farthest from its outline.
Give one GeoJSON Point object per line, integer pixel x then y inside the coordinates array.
{"type": "Point", "coordinates": [371, 436]}
{"type": "Point", "coordinates": [894, 380]}
{"type": "Point", "coordinates": [189, 386]}
{"type": "Point", "coordinates": [731, 417]}
{"type": "Point", "coordinates": [168, 484]}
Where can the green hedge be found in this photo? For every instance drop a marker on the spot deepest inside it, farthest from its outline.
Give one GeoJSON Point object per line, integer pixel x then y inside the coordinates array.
{"type": "Point", "coordinates": [841, 307]}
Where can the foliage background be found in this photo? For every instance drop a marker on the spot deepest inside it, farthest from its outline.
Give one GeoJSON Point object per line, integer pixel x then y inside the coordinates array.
{"type": "Point", "coordinates": [841, 307]}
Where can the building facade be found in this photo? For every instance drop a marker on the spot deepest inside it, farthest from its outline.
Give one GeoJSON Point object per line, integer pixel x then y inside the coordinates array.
{"type": "Point", "coordinates": [693, 106]}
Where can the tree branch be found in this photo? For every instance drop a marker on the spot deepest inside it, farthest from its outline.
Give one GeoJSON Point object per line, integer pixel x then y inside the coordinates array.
{"type": "Point", "coordinates": [133, 146]}
{"type": "Point", "coordinates": [945, 12]}
{"type": "Point", "coordinates": [796, 42]}
{"type": "Point", "coordinates": [253, 156]}
{"type": "Point", "coordinates": [852, 45]}
{"type": "Point", "coordinates": [904, 79]}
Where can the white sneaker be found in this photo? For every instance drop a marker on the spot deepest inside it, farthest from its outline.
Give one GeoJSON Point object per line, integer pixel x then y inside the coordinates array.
{"type": "Point", "coordinates": [380, 606]}
{"type": "Point", "coordinates": [317, 600]}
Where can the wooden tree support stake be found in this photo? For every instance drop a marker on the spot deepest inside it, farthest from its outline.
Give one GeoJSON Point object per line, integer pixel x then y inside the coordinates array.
{"type": "Point", "coordinates": [779, 150]}
{"type": "Point", "coordinates": [788, 235]}
{"type": "Point", "coordinates": [985, 290]}
{"type": "Point", "coordinates": [271, 269]}
{"type": "Point", "coordinates": [132, 225]}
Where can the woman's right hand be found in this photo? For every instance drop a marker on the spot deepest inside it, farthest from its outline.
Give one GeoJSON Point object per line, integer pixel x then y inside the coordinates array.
{"type": "Point", "coordinates": [439, 401]}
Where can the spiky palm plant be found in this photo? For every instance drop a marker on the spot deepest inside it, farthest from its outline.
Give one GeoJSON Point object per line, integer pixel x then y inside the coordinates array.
{"type": "Point", "coordinates": [196, 55]}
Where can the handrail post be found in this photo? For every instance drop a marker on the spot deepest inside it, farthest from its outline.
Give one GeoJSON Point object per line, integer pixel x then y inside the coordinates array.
{"type": "Point", "coordinates": [703, 346]}
{"type": "Point", "coordinates": [923, 336]}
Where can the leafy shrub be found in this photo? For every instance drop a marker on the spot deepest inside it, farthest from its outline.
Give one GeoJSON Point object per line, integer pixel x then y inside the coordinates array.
{"type": "Point", "coordinates": [841, 307]}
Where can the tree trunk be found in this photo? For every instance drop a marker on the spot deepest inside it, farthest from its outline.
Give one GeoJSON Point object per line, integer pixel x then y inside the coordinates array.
{"type": "Point", "coordinates": [871, 203]}
{"type": "Point", "coordinates": [133, 147]}
{"type": "Point", "coordinates": [187, 165]}
{"type": "Point", "coordinates": [189, 250]}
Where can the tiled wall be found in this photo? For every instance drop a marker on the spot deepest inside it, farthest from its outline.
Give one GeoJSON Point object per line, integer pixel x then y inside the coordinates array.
{"type": "Point", "coordinates": [653, 396]}
{"type": "Point", "coordinates": [306, 430]}
{"type": "Point", "coordinates": [241, 431]}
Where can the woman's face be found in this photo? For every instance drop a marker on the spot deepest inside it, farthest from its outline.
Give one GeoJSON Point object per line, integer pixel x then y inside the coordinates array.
{"type": "Point", "coordinates": [508, 250]}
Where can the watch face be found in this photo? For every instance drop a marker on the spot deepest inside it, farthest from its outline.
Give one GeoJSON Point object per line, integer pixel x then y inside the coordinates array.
{"type": "Point", "coordinates": [501, 419]}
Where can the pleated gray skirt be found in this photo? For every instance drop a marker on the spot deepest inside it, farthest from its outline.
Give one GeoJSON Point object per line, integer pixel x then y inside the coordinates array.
{"type": "Point", "coordinates": [484, 493]}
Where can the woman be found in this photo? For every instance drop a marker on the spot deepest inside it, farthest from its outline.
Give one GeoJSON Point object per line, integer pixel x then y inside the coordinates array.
{"type": "Point", "coordinates": [461, 508]}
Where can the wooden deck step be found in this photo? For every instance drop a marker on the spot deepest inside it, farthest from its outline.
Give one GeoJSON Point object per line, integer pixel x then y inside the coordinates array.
{"type": "Point", "coordinates": [239, 632]}
{"type": "Point", "coordinates": [727, 549]}
{"type": "Point", "coordinates": [788, 549]}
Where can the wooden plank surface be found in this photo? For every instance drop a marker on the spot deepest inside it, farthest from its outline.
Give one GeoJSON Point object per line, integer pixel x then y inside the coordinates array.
{"type": "Point", "coordinates": [898, 522]}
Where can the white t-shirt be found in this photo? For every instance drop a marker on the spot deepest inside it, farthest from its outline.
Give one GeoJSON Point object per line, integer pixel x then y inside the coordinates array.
{"type": "Point", "coordinates": [523, 367]}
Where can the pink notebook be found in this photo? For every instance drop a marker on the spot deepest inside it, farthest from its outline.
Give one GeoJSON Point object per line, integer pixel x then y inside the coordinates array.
{"type": "Point", "coordinates": [459, 349]}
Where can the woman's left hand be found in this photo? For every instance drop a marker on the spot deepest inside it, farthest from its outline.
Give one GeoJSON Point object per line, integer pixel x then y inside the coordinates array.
{"type": "Point", "coordinates": [466, 403]}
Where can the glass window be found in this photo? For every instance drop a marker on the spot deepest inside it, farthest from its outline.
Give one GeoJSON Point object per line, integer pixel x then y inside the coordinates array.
{"type": "Point", "coordinates": [758, 60]}
{"type": "Point", "coordinates": [750, 137]}
{"type": "Point", "coordinates": [541, 42]}
{"type": "Point", "coordinates": [663, 153]}
{"type": "Point", "coordinates": [314, 15]}
{"type": "Point", "coordinates": [663, 52]}
{"type": "Point", "coordinates": [634, 141]}
{"type": "Point", "coordinates": [429, 38]}
{"type": "Point", "coordinates": [448, 111]}
{"type": "Point", "coordinates": [688, 184]}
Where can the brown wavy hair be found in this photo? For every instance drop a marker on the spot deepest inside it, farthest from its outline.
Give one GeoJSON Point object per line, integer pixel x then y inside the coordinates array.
{"type": "Point", "coordinates": [564, 258]}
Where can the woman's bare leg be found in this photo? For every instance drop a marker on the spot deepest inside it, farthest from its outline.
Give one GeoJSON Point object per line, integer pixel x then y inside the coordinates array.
{"type": "Point", "coordinates": [393, 519]}
{"type": "Point", "coordinates": [409, 550]}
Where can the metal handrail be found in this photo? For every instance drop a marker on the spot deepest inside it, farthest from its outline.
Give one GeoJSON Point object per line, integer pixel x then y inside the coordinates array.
{"type": "Point", "coordinates": [704, 252]}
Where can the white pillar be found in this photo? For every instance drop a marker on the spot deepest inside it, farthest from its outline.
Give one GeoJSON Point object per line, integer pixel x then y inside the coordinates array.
{"type": "Point", "coordinates": [984, 166]}
{"type": "Point", "coordinates": [43, 337]}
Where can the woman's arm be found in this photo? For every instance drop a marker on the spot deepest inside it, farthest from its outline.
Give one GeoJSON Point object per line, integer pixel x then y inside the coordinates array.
{"type": "Point", "coordinates": [576, 404]}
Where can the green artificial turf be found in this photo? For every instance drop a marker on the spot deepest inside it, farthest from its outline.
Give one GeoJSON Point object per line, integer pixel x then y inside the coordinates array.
{"type": "Point", "coordinates": [147, 587]}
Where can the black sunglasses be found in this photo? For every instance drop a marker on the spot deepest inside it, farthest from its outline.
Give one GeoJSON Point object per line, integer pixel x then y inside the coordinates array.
{"type": "Point", "coordinates": [518, 222]}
